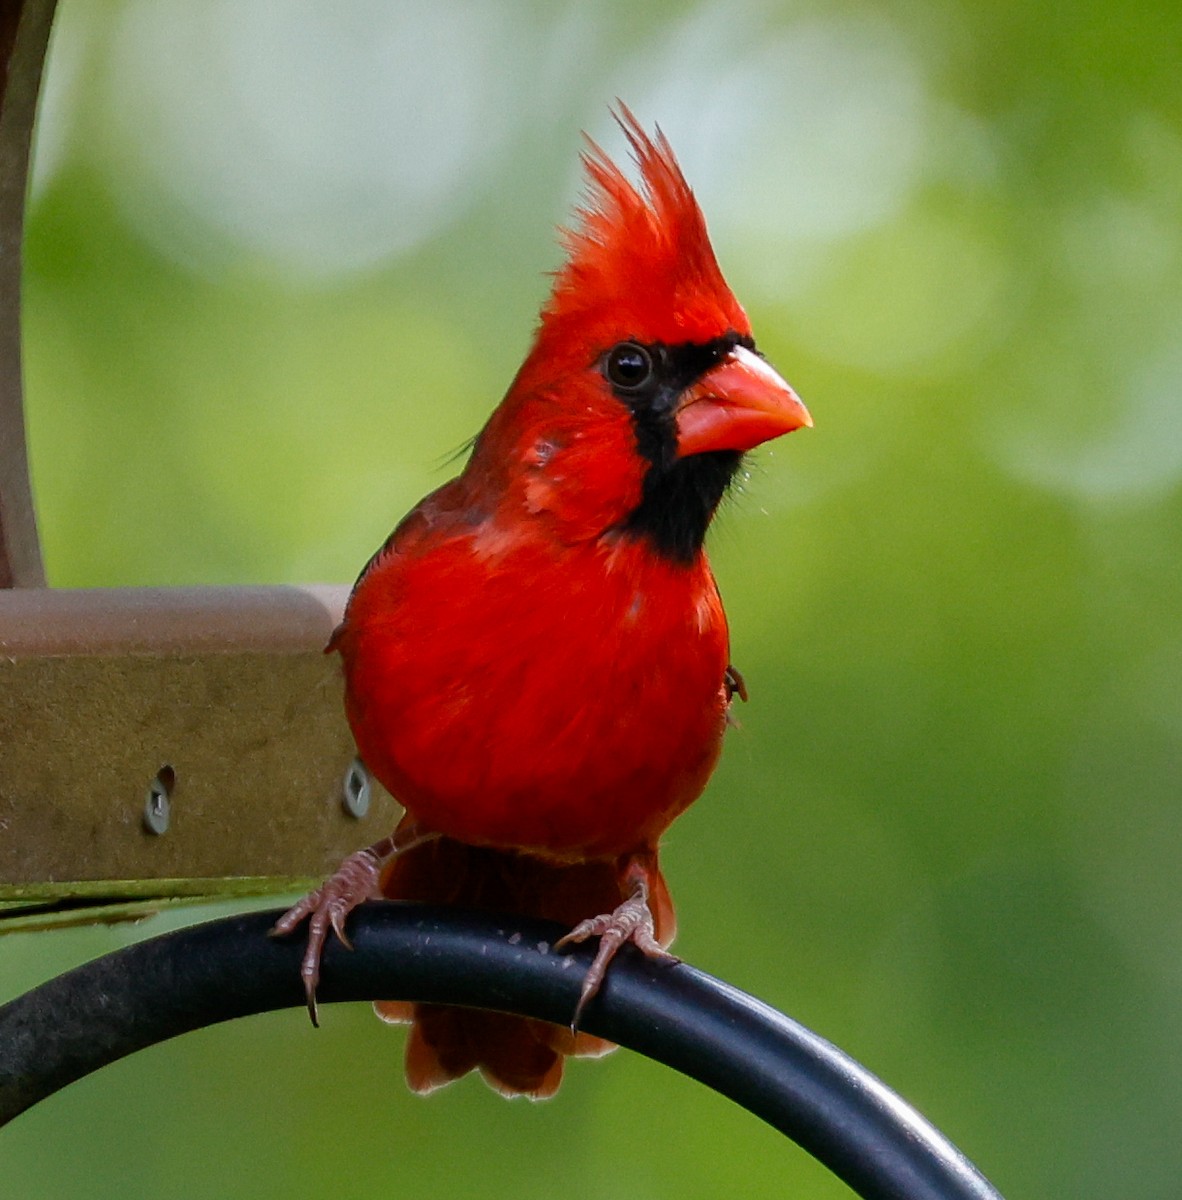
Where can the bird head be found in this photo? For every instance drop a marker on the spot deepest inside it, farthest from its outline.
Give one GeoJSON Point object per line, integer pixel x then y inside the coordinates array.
{"type": "Point", "coordinates": [643, 387]}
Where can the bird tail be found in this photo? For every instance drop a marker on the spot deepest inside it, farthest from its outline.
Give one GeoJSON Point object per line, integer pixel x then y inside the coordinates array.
{"type": "Point", "coordinates": [517, 1056]}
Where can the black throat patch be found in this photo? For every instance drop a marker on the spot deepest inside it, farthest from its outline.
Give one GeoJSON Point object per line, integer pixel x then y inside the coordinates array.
{"type": "Point", "coordinates": [680, 495]}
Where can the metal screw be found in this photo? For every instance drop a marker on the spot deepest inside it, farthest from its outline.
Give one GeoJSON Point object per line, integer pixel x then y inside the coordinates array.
{"type": "Point", "coordinates": [158, 804]}
{"type": "Point", "coordinates": [356, 791]}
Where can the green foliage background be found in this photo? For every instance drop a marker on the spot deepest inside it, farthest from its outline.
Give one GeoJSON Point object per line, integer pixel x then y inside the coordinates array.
{"type": "Point", "coordinates": [947, 834]}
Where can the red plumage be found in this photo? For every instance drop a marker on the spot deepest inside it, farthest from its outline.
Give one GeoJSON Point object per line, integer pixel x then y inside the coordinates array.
{"type": "Point", "coordinates": [536, 662]}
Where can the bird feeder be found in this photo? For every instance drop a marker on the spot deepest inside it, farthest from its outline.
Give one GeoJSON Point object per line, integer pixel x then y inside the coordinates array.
{"type": "Point", "coordinates": [156, 744]}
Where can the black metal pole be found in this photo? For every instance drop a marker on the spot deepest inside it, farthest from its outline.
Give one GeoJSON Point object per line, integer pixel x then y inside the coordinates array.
{"type": "Point", "coordinates": [796, 1081]}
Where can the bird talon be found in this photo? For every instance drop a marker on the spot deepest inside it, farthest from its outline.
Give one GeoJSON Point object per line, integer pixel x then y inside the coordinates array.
{"type": "Point", "coordinates": [736, 685]}
{"type": "Point", "coordinates": [337, 918]}
{"type": "Point", "coordinates": [327, 908]}
{"type": "Point", "coordinates": [310, 1002]}
{"type": "Point", "coordinates": [632, 921]}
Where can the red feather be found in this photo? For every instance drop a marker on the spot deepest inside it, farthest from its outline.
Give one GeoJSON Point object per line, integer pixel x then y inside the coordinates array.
{"type": "Point", "coordinates": [537, 660]}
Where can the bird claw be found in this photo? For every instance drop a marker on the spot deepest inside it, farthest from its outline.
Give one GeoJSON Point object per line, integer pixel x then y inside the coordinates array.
{"type": "Point", "coordinates": [631, 922]}
{"type": "Point", "coordinates": [735, 684]}
{"type": "Point", "coordinates": [354, 881]}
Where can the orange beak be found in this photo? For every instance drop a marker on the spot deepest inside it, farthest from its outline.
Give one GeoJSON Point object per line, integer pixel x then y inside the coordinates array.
{"type": "Point", "coordinates": [736, 406]}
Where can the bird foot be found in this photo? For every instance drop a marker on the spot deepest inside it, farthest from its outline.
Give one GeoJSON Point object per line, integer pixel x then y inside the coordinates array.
{"type": "Point", "coordinates": [631, 922]}
{"type": "Point", "coordinates": [735, 684]}
{"type": "Point", "coordinates": [354, 882]}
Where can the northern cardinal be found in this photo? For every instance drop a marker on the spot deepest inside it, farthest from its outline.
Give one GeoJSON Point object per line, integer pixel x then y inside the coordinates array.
{"type": "Point", "coordinates": [536, 661]}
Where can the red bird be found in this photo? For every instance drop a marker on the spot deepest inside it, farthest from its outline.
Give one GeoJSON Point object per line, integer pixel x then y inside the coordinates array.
{"type": "Point", "coordinates": [536, 661]}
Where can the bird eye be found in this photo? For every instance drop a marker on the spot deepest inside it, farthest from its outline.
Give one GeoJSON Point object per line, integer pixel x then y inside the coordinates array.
{"type": "Point", "coordinates": [629, 367]}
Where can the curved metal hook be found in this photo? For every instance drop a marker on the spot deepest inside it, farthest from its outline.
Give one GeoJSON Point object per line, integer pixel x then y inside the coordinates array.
{"type": "Point", "coordinates": [796, 1081]}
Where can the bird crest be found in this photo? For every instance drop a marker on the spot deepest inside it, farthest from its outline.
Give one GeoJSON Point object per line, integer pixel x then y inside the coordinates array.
{"type": "Point", "coordinates": [639, 260]}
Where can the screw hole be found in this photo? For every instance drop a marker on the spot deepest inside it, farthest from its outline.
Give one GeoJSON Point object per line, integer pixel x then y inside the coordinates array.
{"type": "Point", "coordinates": [158, 802]}
{"type": "Point", "coordinates": [356, 791]}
